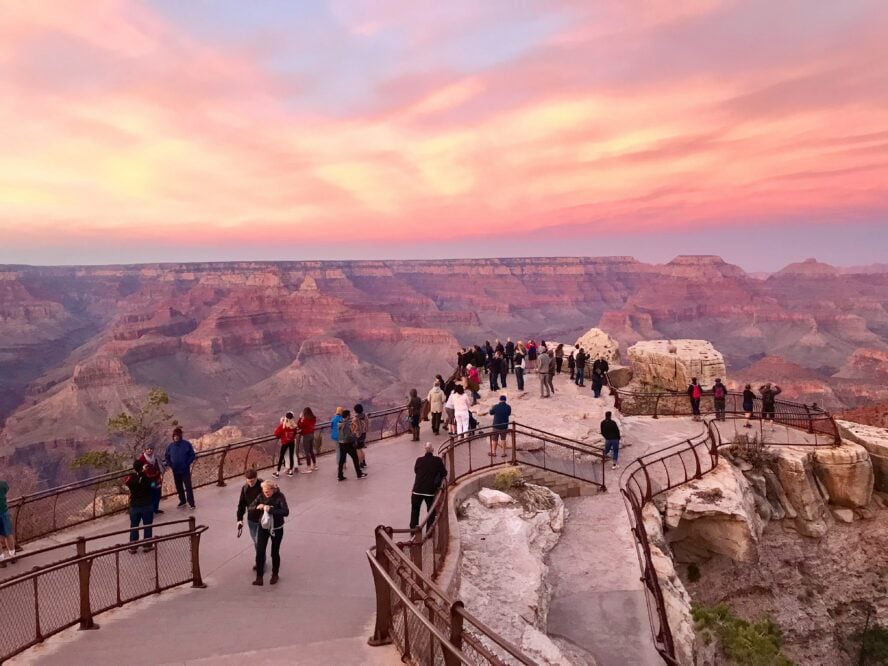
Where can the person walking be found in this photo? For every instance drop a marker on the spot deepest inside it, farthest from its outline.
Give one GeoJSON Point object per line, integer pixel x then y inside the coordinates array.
{"type": "Point", "coordinates": [7, 531]}
{"type": "Point", "coordinates": [141, 509]}
{"type": "Point", "coordinates": [597, 383]}
{"type": "Point", "coordinates": [360, 425]}
{"type": "Point", "coordinates": [719, 399]}
{"type": "Point", "coordinates": [769, 395]}
{"type": "Point", "coordinates": [559, 357]}
{"type": "Point", "coordinates": [460, 403]}
{"type": "Point", "coordinates": [153, 469]}
{"type": "Point", "coordinates": [519, 365]}
{"type": "Point", "coordinates": [286, 433]}
{"type": "Point", "coordinates": [551, 375]}
{"type": "Point", "coordinates": [249, 491]}
{"type": "Point", "coordinates": [543, 368]}
{"type": "Point", "coordinates": [580, 361]}
{"type": "Point", "coordinates": [305, 425]}
{"type": "Point", "coordinates": [748, 403]}
{"type": "Point", "coordinates": [347, 446]}
{"type": "Point", "coordinates": [695, 392]}
{"type": "Point", "coordinates": [270, 502]}
{"type": "Point", "coordinates": [611, 433]}
{"type": "Point", "coordinates": [429, 474]}
{"type": "Point", "coordinates": [501, 412]}
{"type": "Point", "coordinates": [436, 400]}
{"type": "Point", "coordinates": [414, 411]}
{"type": "Point", "coordinates": [178, 457]}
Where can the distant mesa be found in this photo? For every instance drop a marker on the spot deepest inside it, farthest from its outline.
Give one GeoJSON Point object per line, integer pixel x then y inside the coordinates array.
{"type": "Point", "coordinates": [808, 268]}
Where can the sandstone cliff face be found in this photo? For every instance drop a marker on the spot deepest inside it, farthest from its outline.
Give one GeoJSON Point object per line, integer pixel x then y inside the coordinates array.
{"type": "Point", "coordinates": [670, 364]}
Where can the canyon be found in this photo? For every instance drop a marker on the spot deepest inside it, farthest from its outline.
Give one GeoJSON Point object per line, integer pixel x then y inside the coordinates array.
{"type": "Point", "coordinates": [237, 344]}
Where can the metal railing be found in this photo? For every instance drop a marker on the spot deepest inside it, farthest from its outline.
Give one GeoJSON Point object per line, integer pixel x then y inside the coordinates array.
{"type": "Point", "coordinates": [50, 598]}
{"type": "Point", "coordinates": [48, 511]}
{"type": "Point", "coordinates": [798, 416]}
{"type": "Point", "coordinates": [426, 625]}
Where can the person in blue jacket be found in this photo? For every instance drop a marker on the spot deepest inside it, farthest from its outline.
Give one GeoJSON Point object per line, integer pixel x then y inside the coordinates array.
{"type": "Point", "coordinates": [179, 456]}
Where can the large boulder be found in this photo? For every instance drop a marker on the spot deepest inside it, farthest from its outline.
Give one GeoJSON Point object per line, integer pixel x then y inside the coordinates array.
{"type": "Point", "coordinates": [599, 344]}
{"type": "Point", "coordinates": [875, 441]}
{"type": "Point", "coordinates": [795, 472]}
{"type": "Point", "coordinates": [714, 514]}
{"type": "Point", "coordinates": [846, 473]}
{"type": "Point", "coordinates": [670, 364]}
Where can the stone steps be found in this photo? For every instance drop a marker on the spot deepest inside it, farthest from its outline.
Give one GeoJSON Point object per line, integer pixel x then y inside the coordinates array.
{"type": "Point", "coordinates": [563, 486]}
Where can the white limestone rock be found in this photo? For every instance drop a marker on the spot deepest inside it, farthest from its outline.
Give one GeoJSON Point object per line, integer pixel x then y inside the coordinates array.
{"type": "Point", "coordinates": [715, 514]}
{"type": "Point", "coordinates": [795, 472]}
{"type": "Point", "coordinates": [599, 344]}
{"type": "Point", "coordinates": [670, 364]}
{"type": "Point", "coordinates": [875, 441]}
{"type": "Point", "coordinates": [846, 473]}
{"type": "Point", "coordinates": [843, 515]}
{"type": "Point", "coordinates": [493, 498]}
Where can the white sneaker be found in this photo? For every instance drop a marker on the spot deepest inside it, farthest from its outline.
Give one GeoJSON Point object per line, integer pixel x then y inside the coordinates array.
{"type": "Point", "coordinates": [307, 470]}
{"type": "Point", "coordinates": [276, 475]}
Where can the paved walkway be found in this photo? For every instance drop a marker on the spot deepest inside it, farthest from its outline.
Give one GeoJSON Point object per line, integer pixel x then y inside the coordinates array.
{"type": "Point", "coordinates": [322, 610]}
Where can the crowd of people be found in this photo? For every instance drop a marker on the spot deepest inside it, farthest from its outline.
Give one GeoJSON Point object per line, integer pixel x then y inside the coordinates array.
{"type": "Point", "coordinates": [719, 392]}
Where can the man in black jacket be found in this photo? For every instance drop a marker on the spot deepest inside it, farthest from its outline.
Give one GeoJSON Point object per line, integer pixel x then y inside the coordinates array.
{"type": "Point", "coordinates": [251, 489]}
{"type": "Point", "coordinates": [430, 474]}
{"type": "Point", "coordinates": [141, 504]}
{"type": "Point", "coordinates": [611, 433]}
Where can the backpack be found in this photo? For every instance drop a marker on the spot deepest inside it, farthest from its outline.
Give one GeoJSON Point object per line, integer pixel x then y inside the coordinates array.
{"type": "Point", "coordinates": [346, 436]}
{"type": "Point", "coordinates": [719, 391]}
{"type": "Point", "coordinates": [696, 392]}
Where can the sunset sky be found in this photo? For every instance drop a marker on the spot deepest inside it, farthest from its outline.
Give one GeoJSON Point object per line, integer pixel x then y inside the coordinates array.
{"type": "Point", "coordinates": [171, 130]}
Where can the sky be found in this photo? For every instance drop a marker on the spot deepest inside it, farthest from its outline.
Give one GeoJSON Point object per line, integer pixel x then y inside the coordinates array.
{"type": "Point", "coordinates": [202, 130]}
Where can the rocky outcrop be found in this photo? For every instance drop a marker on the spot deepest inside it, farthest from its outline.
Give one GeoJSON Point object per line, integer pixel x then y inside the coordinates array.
{"type": "Point", "coordinates": [670, 364]}
{"type": "Point", "coordinates": [846, 473]}
{"type": "Point", "coordinates": [875, 441]}
{"type": "Point", "coordinates": [599, 344]}
{"type": "Point", "coordinates": [101, 371]}
{"type": "Point", "coordinates": [795, 474]}
{"type": "Point", "coordinates": [714, 514]}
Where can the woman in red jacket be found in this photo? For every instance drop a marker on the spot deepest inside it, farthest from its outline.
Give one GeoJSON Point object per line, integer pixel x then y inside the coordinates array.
{"type": "Point", "coordinates": [306, 427]}
{"type": "Point", "coordinates": [286, 432]}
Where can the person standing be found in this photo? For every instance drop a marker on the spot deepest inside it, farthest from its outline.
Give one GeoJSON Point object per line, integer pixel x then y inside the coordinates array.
{"type": "Point", "coordinates": [504, 370]}
{"type": "Point", "coordinates": [510, 354]}
{"type": "Point", "coordinates": [460, 403]}
{"type": "Point", "coordinates": [334, 433]}
{"type": "Point", "coordinates": [519, 363]}
{"type": "Point", "coordinates": [611, 433]}
{"type": "Point", "coordinates": [695, 392]}
{"type": "Point", "coordinates": [559, 357]}
{"type": "Point", "coordinates": [500, 430]}
{"type": "Point", "coordinates": [719, 399]}
{"type": "Point", "coordinates": [414, 411]}
{"type": "Point", "coordinates": [270, 501]}
{"type": "Point", "coordinates": [496, 367]}
{"type": "Point", "coordinates": [141, 505]}
{"type": "Point", "coordinates": [543, 369]}
{"type": "Point", "coordinates": [531, 355]}
{"type": "Point", "coordinates": [748, 404]}
{"type": "Point", "coordinates": [769, 395]}
{"type": "Point", "coordinates": [360, 425]}
{"type": "Point", "coordinates": [286, 433]}
{"type": "Point", "coordinates": [436, 400]}
{"type": "Point", "coordinates": [249, 491]}
{"type": "Point", "coordinates": [305, 425]}
{"type": "Point", "coordinates": [580, 361]}
{"type": "Point", "coordinates": [597, 383]}
{"type": "Point", "coordinates": [551, 375]}
{"type": "Point", "coordinates": [347, 445]}
{"type": "Point", "coordinates": [572, 366]}
{"type": "Point", "coordinates": [7, 531]}
{"type": "Point", "coordinates": [429, 474]}
{"type": "Point", "coordinates": [153, 469]}
{"type": "Point", "coordinates": [178, 457]}
{"type": "Point", "coordinates": [473, 383]}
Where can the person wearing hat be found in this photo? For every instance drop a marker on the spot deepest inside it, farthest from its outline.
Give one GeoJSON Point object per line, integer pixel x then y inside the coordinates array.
{"type": "Point", "coordinates": [141, 504]}
{"type": "Point", "coordinates": [501, 412]}
{"type": "Point", "coordinates": [179, 456]}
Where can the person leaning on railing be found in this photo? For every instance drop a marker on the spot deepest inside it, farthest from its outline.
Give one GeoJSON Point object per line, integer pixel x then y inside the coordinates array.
{"type": "Point", "coordinates": [430, 474]}
{"type": "Point", "coordinates": [7, 533]}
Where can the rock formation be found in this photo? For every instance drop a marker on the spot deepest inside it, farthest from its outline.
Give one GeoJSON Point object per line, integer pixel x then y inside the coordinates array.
{"type": "Point", "coordinates": [875, 441]}
{"type": "Point", "coordinates": [599, 344]}
{"type": "Point", "coordinates": [670, 364]}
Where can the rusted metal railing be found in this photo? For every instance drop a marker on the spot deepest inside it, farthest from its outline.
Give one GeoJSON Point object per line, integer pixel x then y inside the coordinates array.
{"type": "Point", "coordinates": [427, 626]}
{"type": "Point", "coordinates": [48, 511]}
{"type": "Point", "coordinates": [73, 590]}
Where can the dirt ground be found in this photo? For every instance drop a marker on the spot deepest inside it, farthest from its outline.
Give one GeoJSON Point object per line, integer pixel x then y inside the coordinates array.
{"type": "Point", "coordinates": [817, 590]}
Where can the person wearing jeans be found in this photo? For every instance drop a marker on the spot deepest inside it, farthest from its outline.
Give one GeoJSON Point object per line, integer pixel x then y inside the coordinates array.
{"type": "Point", "coordinates": [251, 489]}
{"type": "Point", "coordinates": [179, 456]}
{"type": "Point", "coordinates": [153, 469]}
{"type": "Point", "coordinates": [141, 505]}
{"type": "Point", "coordinates": [272, 501]}
{"type": "Point", "coordinates": [611, 433]}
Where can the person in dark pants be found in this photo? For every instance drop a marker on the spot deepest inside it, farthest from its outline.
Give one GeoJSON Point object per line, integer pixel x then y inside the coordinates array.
{"type": "Point", "coordinates": [141, 504]}
{"type": "Point", "coordinates": [153, 469]}
{"type": "Point", "coordinates": [414, 413]}
{"type": "Point", "coordinates": [510, 354]}
{"type": "Point", "coordinates": [695, 392]}
{"type": "Point", "coordinates": [495, 364]}
{"type": "Point", "coordinates": [504, 369]}
{"type": "Point", "coordinates": [580, 362]}
{"type": "Point", "coordinates": [748, 403]}
{"type": "Point", "coordinates": [179, 456]}
{"type": "Point", "coordinates": [597, 383]}
{"type": "Point", "coordinates": [347, 445]}
{"type": "Point", "coordinates": [768, 396]}
{"type": "Point", "coordinates": [430, 474]}
{"type": "Point", "coordinates": [519, 369]}
{"type": "Point", "coordinates": [559, 357]}
{"type": "Point", "coordinates": [249, 491]}
{"type": "Point", "coordinates": [719, 399]}
{"type": "Point", "coordinates": [571, 365]}
{"type": "Point", "coordinates": [286, 433]}
{"type": "Point", "coordinates": [272, 501]}
{"type": "Point", "coordinates": [611, 433]}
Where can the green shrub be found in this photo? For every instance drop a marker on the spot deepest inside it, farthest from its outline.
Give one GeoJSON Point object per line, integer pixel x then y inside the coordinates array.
{"type": "Point", "coordinates": [747, 643]}
{"type": "Point", "coordinates": [508, 478]}
{"type": "Point", "coordinates": [875, 645]}
{"type": "Point", "coordinates": [693, 572]}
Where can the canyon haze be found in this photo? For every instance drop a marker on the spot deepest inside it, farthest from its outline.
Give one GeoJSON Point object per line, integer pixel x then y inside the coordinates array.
{"type": "Point", "coordinates": [239, 343]}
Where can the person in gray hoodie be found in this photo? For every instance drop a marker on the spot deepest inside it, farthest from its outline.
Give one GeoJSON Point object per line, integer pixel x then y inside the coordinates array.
{"type": "Point", "coordinates": [543, 361]}
{"type": "Point", "coordinates": [436, 406]}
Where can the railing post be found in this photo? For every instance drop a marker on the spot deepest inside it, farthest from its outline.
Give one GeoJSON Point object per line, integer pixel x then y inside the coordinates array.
{"type": "Point", "coordinates": [197, 579]}
{"type": "Point", "coordinates": [514, 445]}
{"type": "Point", "coordinates": [15, 525]}
{"type": "Point", "coordinates": [221, 480]}
{"type": "Point", "coordinates": [810, 422]}
{"type": "Point", "coordinates": [451, 462]}
{"type": "Point", "coordinates": [382, 631]}
{"type": "Point", "coordinates": [83, 570]}
{"type": "Point", "coordinates": [456, 633]}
